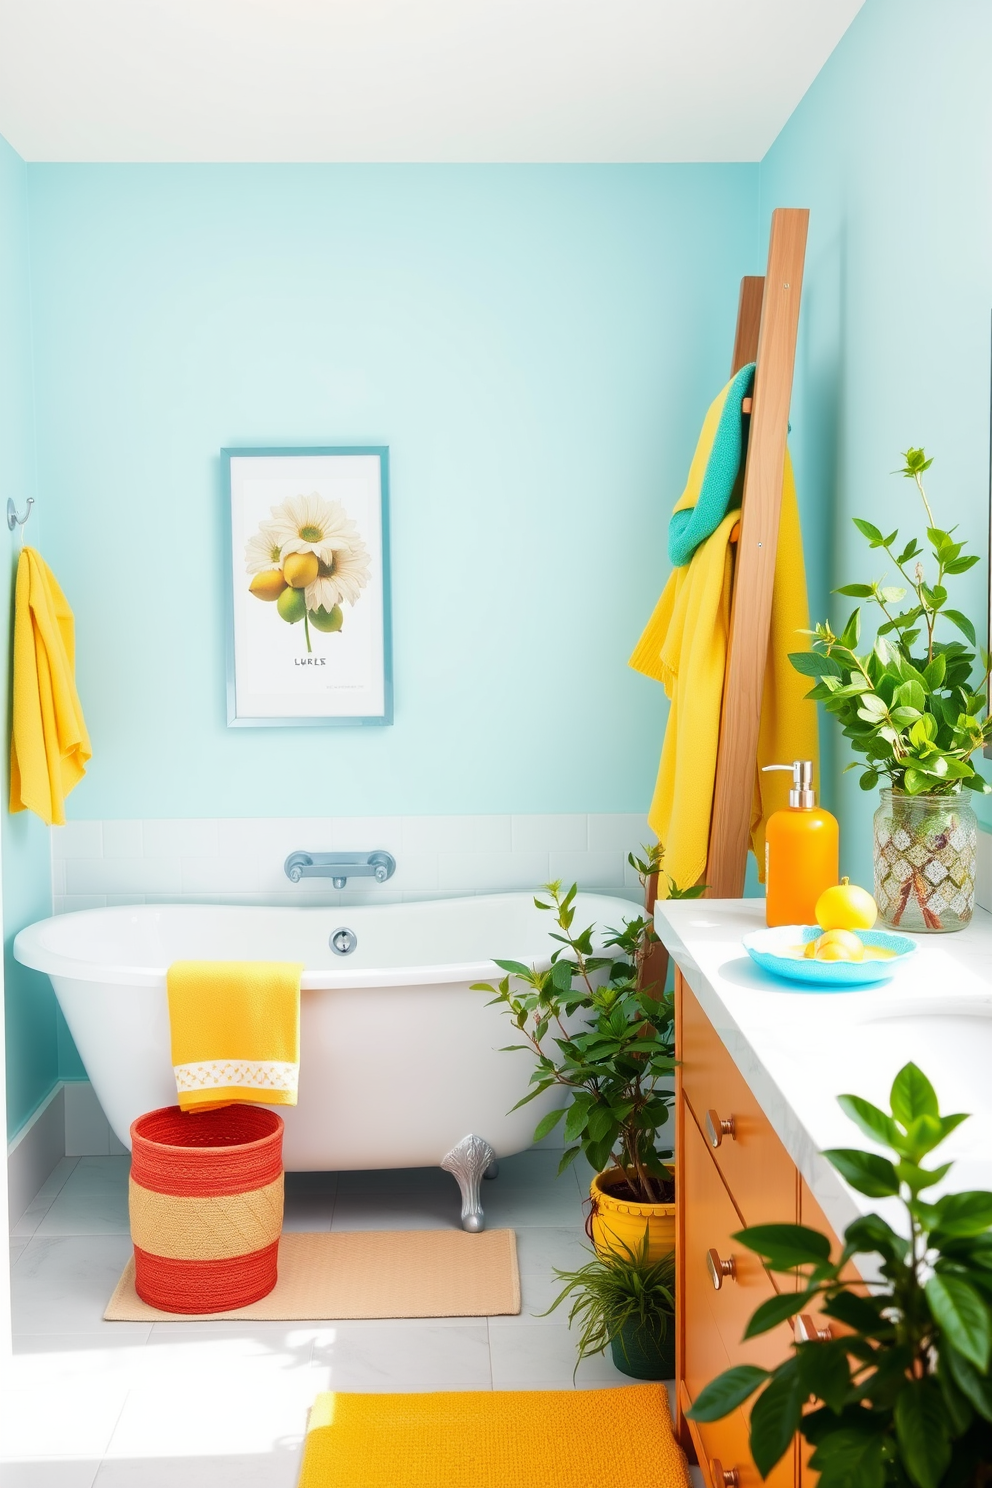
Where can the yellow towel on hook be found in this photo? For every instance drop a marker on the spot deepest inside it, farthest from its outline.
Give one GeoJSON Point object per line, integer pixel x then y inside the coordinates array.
{"type": "Point", "coordinates": [49, 745]}
{"type": "Point", "coordinates": [684, 646]}
{"type": "Point", "coordinates": [235, 1032]}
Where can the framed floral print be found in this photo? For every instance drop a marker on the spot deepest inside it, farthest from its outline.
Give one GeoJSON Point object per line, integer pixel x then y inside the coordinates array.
{"type": "Point", "coordinates": [309, 639]}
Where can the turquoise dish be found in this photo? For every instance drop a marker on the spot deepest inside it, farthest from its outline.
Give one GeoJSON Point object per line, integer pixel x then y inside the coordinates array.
{"type": "Point", "coordinates": [771, 950]}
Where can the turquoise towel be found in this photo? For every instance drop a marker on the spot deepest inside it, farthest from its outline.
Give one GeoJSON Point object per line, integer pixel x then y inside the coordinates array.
{"type": "Point", "coordinates": [723, 478]}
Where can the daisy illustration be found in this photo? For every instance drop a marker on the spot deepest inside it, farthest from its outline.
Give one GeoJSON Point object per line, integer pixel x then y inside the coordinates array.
{"type": "Point", "coordinates": [308, 560]}
{"type": "Point", "coordinates": [263, 550]}
{"type": "Point", "coordinates": [311, 524]}
{"type": "Point", "coordinates": [341, 580]}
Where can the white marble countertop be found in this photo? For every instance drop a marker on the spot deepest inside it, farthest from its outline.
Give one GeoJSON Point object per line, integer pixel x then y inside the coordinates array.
{"type": "Point", "coordinates": [798, 1049]}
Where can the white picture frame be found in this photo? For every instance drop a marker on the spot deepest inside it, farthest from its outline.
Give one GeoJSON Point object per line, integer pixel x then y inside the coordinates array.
{"type": "Point", "coordinates": [308, 585]}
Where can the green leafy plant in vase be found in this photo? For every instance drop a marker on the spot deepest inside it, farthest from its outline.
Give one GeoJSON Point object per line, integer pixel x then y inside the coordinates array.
{"type": "Point", "coordinates": [912, 707]}
{"type": "Point", "coordinates": [903, 1397]}
{"type": "Point", "coordinates": [623, 1301]}
{"type": "Point", "coordinates": [607, 1041]}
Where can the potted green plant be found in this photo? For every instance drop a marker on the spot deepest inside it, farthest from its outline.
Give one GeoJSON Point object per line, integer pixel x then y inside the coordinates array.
{"type": "Point", "coordinates": [607, 1040]}
{"type": "Point", "coordinates": [904, 1397]}
{"type": "Point", "coordinates": [911, 706]}
{"type": "Point", "coordinates": [623, 1300]}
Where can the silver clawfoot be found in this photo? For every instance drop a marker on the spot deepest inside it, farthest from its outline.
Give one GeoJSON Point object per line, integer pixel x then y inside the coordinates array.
{"type": "Point", "coordinates": [467, 1162]}
{"type": "Point", "coordinates": [493, 1170]}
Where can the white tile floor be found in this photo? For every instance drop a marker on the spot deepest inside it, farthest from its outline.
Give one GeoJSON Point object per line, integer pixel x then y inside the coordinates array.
{"type": "Point", "coordinates": [90, 1404]}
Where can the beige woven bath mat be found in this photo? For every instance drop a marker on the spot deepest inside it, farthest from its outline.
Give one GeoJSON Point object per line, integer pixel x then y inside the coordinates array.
{"type": "Point", "coordinates": [368, 1274]}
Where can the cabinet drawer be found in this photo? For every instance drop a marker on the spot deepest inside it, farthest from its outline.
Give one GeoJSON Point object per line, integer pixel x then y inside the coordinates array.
{"type": "Point", "coordinates": [711, 1314]}
{"type": "Point", "coordinates": [724, 1444]}
{"type": "Point", "coordinates": [715, 1319]}
{"type": "Point", "coordinates": [812, 1215]}
{"type": "Point", "coordinates": [758, 1171]}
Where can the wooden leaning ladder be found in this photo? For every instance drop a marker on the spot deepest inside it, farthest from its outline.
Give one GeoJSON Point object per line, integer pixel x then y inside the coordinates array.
{"type": "Point", "coordinates": [767, 325]}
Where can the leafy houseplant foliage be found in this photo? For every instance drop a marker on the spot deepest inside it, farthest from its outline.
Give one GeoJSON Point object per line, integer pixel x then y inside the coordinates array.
{"type": "Point", "coordinates": [613, 1040]}
{"type": "Point", "coordinates": [905, 1397]}
{"type": "Point", "coordinates": [618, 1293]}
{"type": "Point", "coordinates": [909, 705]}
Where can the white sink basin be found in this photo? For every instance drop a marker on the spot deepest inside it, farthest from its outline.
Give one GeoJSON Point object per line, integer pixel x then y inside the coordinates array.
{"type": "Point", "coordinates": [949, 1039]}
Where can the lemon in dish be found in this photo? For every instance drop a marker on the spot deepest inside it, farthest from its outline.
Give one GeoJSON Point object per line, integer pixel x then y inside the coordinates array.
{"type": "Point", "coordinates": [835, 945]}
{"type": "Point", "coordinates": [782, 951]}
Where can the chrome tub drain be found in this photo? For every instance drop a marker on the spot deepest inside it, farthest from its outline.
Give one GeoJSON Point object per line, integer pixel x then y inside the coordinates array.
{"type": "Point", "coordinates": [343, 941]}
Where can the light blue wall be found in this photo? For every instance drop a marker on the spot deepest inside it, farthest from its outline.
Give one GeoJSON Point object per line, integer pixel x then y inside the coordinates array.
{"type": "Point", "coordinates": [535, 344]}
{"type": "Point", "coordinates": [29, 1004]}
{"type": "Point", "coordinates": [892, 150]}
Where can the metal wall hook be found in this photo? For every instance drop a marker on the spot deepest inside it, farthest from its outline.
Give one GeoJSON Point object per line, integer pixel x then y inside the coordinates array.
{"type": "Point", "coordinates": [13, 520]}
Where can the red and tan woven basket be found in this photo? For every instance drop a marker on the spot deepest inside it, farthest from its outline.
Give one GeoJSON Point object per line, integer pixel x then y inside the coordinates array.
{"type": "Point", "coordinates": [206, 1198]}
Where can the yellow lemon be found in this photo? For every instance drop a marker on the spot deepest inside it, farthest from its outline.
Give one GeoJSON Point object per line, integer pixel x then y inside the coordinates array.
{"type": "Point", "coordinates": [327, 620]}
{"type": "Point", "coordinates": [300, 569]}
{"type": "Point", "coordinates": [846, 907]}
{"type": "Point", "coordinates": [835, 945]}
{"type": "Point", "coordinates": [845, 938]}
{"type": "Point", "coordinates": [268, 585]}
{"type": "Point", "coordinates": [835, 952]}
{"type": "Point", "coordinates": [292, 605]}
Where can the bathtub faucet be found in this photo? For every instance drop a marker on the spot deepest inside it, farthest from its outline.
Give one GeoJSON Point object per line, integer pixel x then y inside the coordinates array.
{"type": "Point", "coordinates": [339, 867]}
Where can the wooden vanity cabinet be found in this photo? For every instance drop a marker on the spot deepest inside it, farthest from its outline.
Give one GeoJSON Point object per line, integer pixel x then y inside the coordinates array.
{"type": "Point", "coordinates": [759, 1174]}
{"type": "Point", "coordinates": [733, 1171]}
{"type": "Point", "coordinates": [811, 1214]}
{"type": "Point", "coordinates": [723, 1284]}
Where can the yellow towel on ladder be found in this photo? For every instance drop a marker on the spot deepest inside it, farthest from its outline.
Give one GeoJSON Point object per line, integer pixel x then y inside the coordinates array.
{"type": "Point", "coordinates": [49, 745]}
{"type": "Point", "coordinates": [235, 1031]}
{"type": "Point", "coordinates": [684, 646]}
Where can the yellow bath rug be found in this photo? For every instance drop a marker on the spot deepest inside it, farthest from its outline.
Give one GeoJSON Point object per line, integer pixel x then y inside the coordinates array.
{"type": "Point", "coordinates": [235, 1032]}
{"type": "Point", "coordinates": [368, 1274]}
{"type": "Point", "coordinates": [618, 1438]}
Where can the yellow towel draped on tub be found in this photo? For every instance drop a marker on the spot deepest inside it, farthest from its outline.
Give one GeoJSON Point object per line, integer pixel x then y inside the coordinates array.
{"type": "Point", "coordinates": [235, 1031]}
{"type": "Point", "coordinates": [49, 745]}
{"type": "Point", "coordinates": [684, 646]}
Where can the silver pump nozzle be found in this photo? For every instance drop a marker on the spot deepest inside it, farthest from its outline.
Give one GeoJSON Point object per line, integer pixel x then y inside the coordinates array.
{"type": "Point", "coordinates": [802, 793]}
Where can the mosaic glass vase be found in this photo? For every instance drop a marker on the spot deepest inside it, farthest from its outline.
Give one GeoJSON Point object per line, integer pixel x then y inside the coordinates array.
{"type": "Point", "coordinates": [925, 858]}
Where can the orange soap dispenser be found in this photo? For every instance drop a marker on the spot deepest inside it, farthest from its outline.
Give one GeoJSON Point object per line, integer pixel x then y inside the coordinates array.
{"type": "Point", "coordinates": [801, 852]}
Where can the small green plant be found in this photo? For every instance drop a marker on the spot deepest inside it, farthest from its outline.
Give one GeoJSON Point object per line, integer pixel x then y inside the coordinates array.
{"type": "Point", "coordinates": [613, 1039]}
{"type": "Point", "coordinates": [619, 1296]}
{"type": "Point", "coordinates": [905, 1397]}
{"type": "Point", "coordinates": [909, 705]}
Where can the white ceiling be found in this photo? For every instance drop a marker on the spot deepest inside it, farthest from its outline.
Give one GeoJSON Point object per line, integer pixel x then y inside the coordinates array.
{"type": "Point", "coordinates": [407, 80]}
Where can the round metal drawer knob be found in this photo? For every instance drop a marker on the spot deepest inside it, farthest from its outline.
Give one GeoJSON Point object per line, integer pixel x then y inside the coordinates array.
{"type": "Point", "coordinates": [717, 1128]}
{"type": "Point", "coordinates": [719, 1268]}
{"type": "Point", "coordinates": [723, 1477]}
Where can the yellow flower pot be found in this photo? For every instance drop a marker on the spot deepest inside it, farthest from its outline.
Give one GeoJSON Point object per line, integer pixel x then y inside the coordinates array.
{"type": "Point", "coordinates": [620, 1224]}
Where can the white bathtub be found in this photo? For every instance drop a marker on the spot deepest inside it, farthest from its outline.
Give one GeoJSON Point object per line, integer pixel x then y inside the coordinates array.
{"type": "Point", "coordinates": [399, 1059]}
